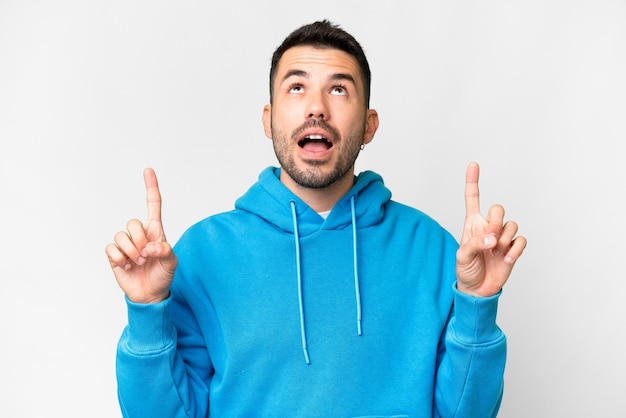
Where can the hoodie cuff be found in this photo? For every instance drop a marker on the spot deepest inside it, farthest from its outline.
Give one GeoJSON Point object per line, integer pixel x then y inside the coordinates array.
{"type": "Point", "coordinates": [475, 318]}
{"type": "Point", "coordinates": [150, 326]}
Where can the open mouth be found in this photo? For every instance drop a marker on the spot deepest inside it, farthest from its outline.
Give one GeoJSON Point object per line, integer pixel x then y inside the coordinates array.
{"type": "Point", "coordinates": [315, 143]}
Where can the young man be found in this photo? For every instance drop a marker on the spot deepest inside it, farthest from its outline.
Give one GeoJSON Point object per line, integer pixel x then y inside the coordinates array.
{"type": "Point", "coordinates": [317, 296]}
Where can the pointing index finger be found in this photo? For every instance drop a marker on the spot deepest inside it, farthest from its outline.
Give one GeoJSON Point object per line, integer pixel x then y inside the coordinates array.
{"type": "Point", "coordinates": [153, 195]}
{"type": "Point", "coordinates": [472, 201]}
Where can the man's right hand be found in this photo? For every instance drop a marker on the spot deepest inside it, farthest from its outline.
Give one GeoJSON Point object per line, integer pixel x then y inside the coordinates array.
{"type": "Point", "coordinates": [142, 261]}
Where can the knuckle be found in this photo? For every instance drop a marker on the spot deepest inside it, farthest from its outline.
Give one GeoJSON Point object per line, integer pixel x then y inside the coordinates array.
{"type": "Point", "coordinates": [121, 236]}
{"type": "Point", "coordinates": [111, 249]}
{"type": "Point", "coordinates": [133, 224]}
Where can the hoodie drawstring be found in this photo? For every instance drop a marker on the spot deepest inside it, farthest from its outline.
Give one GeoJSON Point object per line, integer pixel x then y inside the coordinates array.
{"type": "Point", "coordinates": [299, 273]}
{"type": "Point", "coordinates": [357, 290]}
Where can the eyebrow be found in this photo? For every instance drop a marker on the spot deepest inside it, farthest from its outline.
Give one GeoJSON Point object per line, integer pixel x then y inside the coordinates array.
{"type": "Point", "coordinates": [334, 77]}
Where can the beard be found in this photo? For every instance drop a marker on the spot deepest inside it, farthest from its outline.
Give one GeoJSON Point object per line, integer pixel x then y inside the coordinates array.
{"type": "Point", "coordinates": [311, 174]}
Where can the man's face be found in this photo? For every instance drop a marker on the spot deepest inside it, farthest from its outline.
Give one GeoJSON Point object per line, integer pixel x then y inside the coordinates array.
{"type": "Point", "coordinates": [318, 119]}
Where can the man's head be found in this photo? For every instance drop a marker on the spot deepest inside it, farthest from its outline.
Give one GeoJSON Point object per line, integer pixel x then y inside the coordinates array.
{"type": "Point", "coordinates": [319, 117]}
{"type": "Point", "coordinates": [324, 35]}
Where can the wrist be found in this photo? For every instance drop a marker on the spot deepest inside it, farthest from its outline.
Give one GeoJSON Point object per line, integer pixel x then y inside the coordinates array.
{"type": "Point", "coordinates": [480, 292]}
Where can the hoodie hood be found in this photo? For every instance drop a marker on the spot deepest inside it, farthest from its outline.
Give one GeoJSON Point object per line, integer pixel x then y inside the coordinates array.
{"type": "Point", "coordinates": [369, 193]}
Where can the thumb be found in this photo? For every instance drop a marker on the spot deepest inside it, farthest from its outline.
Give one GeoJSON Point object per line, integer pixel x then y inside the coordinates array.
{"type": "Point", "coordinates": [475, 245]}
{"type": "Point", "coordinates": [162, 250]}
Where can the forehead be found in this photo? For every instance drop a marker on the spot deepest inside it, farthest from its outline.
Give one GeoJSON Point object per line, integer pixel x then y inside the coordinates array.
{"type": "Point", "coordinates": [310, 59]}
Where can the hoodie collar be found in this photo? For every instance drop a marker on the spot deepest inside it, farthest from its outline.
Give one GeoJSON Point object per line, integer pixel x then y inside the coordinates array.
{"type": "Point", "coordinates": [270, 199]}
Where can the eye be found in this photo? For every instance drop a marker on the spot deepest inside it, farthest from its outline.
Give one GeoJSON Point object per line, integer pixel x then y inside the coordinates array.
{"type": "Point", "coordinates": [296, 89]}
{"type": "Point", "coordinates": [339, 91]}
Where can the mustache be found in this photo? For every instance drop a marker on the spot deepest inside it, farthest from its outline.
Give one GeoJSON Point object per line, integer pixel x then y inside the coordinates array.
{"type": "Point", "coordinates": [316, 123]}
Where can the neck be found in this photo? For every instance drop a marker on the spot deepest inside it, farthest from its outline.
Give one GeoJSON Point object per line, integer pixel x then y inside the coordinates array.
{"type": "Point", "coordinates": [320, 200]}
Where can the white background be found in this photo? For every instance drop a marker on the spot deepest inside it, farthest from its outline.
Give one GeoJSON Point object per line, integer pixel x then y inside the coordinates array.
{"type": "Point", "coordinates": [91, 92]}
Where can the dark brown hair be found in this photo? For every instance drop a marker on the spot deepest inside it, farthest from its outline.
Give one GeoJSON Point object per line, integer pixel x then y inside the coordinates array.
{"type": "Point", "coordinates": [324, 34]}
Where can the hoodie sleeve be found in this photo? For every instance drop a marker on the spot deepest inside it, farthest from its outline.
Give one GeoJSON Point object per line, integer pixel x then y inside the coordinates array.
{"type": "Point", "coordinates": [471, 360]}
{"type": "Point", "coordinates": [152, 378]}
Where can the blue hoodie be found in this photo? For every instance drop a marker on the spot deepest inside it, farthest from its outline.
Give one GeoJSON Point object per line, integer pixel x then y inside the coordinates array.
{"type": "Point", "coordinates": [277, 312]}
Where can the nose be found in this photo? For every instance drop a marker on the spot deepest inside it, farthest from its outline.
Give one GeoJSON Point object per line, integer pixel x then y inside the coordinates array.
{"type": "Point", "coordinates": [317, 107]}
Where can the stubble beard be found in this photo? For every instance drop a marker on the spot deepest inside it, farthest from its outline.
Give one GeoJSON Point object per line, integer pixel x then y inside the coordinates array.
{"type": "Point", "coordinates": [313, 176]}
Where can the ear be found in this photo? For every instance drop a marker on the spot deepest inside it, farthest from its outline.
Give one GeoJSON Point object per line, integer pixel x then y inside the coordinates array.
{"type": "Point", "coordinates": [267, 120]}
{"type": "Point", "coordinates": [371, 126]}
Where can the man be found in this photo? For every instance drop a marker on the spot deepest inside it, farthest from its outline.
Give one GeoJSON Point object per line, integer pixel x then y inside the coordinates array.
{"type": "Point", "coordinates": [317, 295]}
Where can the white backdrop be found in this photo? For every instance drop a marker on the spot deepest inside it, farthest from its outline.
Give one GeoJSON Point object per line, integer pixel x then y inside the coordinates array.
{"type": "Point", "coordinates": [91, 92]}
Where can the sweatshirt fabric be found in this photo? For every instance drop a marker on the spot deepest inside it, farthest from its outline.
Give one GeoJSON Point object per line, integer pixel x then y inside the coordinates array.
{"type": "Point", "coordinates": [275, 311]}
